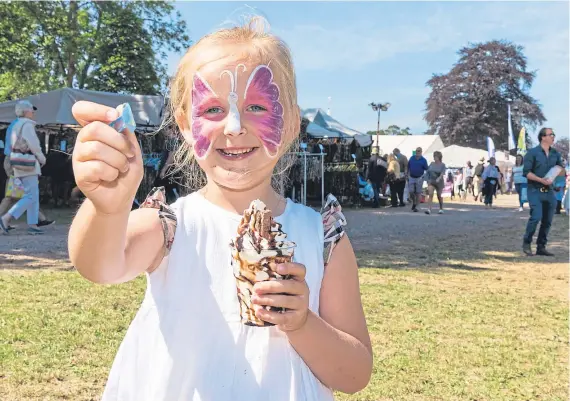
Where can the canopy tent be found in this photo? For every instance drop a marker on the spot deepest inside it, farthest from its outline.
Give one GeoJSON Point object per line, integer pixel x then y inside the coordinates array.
{"type": "Point", "coordinates": [54, 108]}
{"type": "Point", "coordinates": [407, 144]}
{"type": "Point", "coordinates": [316, 131]}
{"type": "Point", "coordinates": [455, 156]}
{"type": "Point", "coordinates": [321, 119]}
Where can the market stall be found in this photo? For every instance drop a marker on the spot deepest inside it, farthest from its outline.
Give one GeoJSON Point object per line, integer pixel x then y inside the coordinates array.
{"type": "Point", "coordinates": [333, 155]}
{"type": "Point", "coordinates": [57, 129]}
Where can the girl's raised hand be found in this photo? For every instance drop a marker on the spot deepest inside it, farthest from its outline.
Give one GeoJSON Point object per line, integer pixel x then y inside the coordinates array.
{"type": "Point", "coordinates": [292, 294]}
{"type": "Point", "coordinates": [107, 164]}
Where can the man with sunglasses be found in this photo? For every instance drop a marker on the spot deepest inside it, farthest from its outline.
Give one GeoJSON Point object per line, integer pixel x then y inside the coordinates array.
{"type": "Point", "coordinates": [537, 163]}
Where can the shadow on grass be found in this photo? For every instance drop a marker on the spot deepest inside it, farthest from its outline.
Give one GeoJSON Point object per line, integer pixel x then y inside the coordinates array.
{"type": "Point", "coordinates": [36, 262]}
{"type": "Point", "coordinates": [466, 238]}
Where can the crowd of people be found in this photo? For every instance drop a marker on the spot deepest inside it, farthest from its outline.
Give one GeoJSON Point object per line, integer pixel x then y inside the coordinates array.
{"type": "Point", "coordinates": [403, 179]}
{"type": "Point", "coordinates": [539, 178]}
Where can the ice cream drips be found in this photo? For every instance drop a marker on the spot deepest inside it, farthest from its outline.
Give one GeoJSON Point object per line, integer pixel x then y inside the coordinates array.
{"type": "Point", "coordinates": [258, 230]}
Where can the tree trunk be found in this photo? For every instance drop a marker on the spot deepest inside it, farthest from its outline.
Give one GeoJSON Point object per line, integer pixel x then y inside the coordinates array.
{"type": "Point", "coordinates": [85, 69]}
{"type": "Point", "coordinates": [72, 43]}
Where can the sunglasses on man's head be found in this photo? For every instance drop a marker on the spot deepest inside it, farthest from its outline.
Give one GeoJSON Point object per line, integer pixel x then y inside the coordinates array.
{"type": "Point", "coordinates": [552, 134]}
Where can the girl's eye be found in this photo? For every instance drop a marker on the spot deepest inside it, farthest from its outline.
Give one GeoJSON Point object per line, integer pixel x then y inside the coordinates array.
{"type": "Point", "coordinates": [214, 110]}
{"type": "Point", "coordinates": [256, 108]}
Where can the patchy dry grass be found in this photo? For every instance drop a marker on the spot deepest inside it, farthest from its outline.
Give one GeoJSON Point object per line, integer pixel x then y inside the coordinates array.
{"type": "Point", "coordinates": [453, 315]}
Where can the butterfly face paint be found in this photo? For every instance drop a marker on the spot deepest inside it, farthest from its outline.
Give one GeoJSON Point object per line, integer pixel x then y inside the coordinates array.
{"type": "Point", "coordinates": [260, 87]}
{"type": "Point", "coordinates": [263, 111]}
{"type": "Point", "coordinates": [201, 95]}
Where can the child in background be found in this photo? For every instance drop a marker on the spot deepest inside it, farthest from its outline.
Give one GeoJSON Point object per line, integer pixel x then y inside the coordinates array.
{"type": "Point", "coordinates": [235, 102]}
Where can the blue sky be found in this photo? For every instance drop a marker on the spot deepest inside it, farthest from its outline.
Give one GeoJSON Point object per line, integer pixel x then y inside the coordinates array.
{"type": "Point", "coordinates": [358, 52]}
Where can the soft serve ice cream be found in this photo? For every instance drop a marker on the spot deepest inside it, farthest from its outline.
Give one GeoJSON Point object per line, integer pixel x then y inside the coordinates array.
{"type": "Point", "coordinates": [257, 250]}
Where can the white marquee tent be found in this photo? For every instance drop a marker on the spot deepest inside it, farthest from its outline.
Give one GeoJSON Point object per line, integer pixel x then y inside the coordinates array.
{"type": "Point", "coordinates": [455, 156]}
{"type": "Point", "coordinates": [407, 144]}
{"type": "Point", "coordinates": [320, 120]}
{"type": "Point", "coordinates": [54, 108]}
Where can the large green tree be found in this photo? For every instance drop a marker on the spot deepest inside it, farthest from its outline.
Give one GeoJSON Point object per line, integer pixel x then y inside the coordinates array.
{"type": "Point", "coordinates": [116, 46]}
{"type": "Point", "coordinates": [469, 103]}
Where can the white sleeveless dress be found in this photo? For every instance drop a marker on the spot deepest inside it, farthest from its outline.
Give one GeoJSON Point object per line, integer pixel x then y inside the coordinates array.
{"type": "Point", "coordinates": [187, 342]}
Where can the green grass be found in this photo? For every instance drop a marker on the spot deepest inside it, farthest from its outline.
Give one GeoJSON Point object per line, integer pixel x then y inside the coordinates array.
{"type": "Point", "coordinates": [437, 336]}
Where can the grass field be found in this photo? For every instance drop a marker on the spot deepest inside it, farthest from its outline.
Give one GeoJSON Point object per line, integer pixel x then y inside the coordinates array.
{"type": "Point", "coordinates": [490, 326]}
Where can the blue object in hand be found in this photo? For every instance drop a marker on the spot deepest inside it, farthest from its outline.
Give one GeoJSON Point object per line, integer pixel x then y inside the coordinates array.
{"type": "Point", "coordinates": [125, 120]}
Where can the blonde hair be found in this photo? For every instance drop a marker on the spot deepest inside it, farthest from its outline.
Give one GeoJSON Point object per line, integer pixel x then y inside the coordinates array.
{"type": "Point", "coordinates": [262, 47]}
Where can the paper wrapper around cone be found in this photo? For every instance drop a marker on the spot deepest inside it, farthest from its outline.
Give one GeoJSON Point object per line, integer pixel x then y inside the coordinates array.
{"type": "Point", "coordinates": [250, 268]}
{"type": "Point", "coordinates": [257, 250]}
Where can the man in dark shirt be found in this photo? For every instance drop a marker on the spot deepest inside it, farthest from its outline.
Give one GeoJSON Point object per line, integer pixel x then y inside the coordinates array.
{"type": "Point", "coordinates": [376, 173]}
{"type": "Point", "coordinates": [541, 198]}
{"type": "Point", "coordinates": [417, 166]}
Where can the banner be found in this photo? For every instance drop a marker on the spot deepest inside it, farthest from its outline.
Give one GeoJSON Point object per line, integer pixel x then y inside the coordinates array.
{"type": "Point", "coordinates": [521, 145]}
{"type": "Point", "coordinates": [490, 147]}
{"type": "Point", "coordinates": [510, 128]}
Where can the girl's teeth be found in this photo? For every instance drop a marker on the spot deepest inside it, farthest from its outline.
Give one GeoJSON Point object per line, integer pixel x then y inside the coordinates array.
{"type": "Point", "coordinates": [238, 152]}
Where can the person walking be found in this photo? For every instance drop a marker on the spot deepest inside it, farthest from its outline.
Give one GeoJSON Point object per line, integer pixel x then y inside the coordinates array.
{"type": "Point", "coordinates": [402, 181]}
{"type": "Point", "coordinates": [8, 201]}
{"type": "Point", "coordinates": [537, 163]}
{"type": "Point", "coordinates": [436, 181]}
{"type": "Point", "coordinates": [499, 184]}
{"type": "Point", "coordinates": [417, 166]}
{"type": "Point", "coordinates": [478, 180]}
{"type": "Point", "coordinates": [376, 173]}
{"type": "Point", "coordinates": [393, 178]}
{"type": "Point", "coordinates": [490, 178]}
{"type": "Point", "coordinates": [509, 181]}
{"type": "Point", "coordinates": [458, 184]}
{"type": "Point", "coordinates": [25, 141]}
{"type": "Point", "coordinates": [520, 181]}
{"type": "Point", "coordinates": [559, 186]}
{"type": "Point", "coordinates": [450, 180]}
{"type": "Point", "coordinates": [469, 173]}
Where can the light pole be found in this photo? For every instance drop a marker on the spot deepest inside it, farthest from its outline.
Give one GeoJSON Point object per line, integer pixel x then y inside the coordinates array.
{"type": "Point", "coordinates": [379, 107]}
{"type": "Point", "coordinates": [511, 139]}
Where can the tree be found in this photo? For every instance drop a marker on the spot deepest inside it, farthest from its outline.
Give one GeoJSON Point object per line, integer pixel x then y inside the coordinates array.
{"type": "Point", "coordinates": [392, 130]}
{"type": "Point", "coordinates": [117, 46]}
{"type": "Point", "coordinates": [563, 146]}
{"type": "Point", "coordinates": [469, 103]}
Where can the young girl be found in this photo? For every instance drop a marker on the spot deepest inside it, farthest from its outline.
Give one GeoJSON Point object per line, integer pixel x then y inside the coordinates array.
{"type": "Point", "coordinates": [235, 103]}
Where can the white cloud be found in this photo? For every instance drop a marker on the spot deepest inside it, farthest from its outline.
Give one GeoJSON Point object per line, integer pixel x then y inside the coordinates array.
{"type": "Point", "coordinates": [541, 28]}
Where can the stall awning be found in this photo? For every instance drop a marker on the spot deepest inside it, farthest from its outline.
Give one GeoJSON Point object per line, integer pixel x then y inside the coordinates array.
{"type": "Point", "coordinates": [54, 108]}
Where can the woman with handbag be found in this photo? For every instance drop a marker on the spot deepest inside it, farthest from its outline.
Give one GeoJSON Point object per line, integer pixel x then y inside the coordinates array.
{"type": "Point", "coordinates": [26, 159]}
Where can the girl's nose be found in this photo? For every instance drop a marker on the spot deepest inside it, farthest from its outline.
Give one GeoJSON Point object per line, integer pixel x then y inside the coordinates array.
{"type": "Point", "coordinates": [233, 123]}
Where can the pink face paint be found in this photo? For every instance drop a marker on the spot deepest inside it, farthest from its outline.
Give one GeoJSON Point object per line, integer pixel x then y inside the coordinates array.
{"type": "Point", "coordinates": [201, 94]}
{"type": "Point", "coordinates": [260, 87]}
